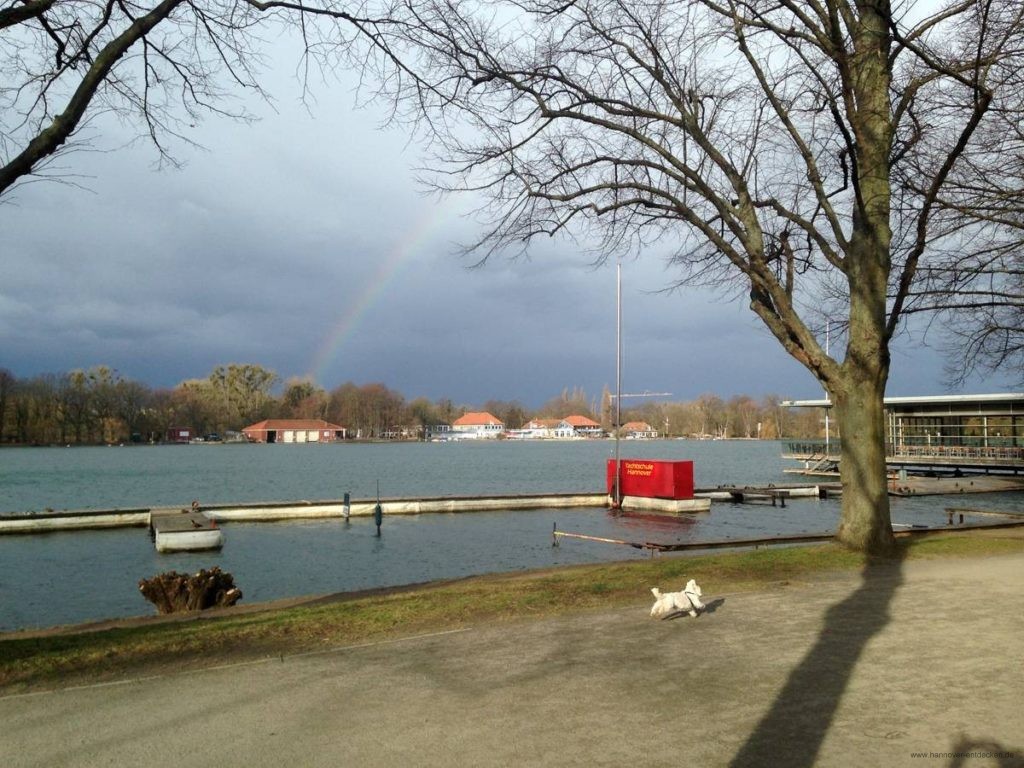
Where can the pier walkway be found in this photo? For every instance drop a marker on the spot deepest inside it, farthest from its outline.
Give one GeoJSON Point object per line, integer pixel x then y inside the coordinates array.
{"type": "Point", "coordinates": [920, 658]}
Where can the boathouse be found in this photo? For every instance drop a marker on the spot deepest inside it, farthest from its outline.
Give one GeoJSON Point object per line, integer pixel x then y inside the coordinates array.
{"type": "Point", "coordinates": [294, 431]}
{"type": "Point", "coordinates": [180, 434]}
{"type": "Point", "coordinates": [951, 432]}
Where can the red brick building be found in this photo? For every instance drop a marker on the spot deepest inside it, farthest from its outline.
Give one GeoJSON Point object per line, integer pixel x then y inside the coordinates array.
{"type": "Point", "coordinates": [294, 431]}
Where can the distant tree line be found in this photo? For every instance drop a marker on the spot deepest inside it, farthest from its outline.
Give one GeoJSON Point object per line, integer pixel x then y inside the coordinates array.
{"type": "Point", "coordinates": [99, 406]}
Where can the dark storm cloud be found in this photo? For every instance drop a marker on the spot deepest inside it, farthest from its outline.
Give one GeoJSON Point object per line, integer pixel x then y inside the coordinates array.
{"type": "Point", "coordinates": [260, 249]}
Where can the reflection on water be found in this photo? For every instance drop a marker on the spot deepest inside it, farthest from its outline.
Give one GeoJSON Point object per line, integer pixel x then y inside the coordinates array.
{"type": "Point", "coordinates": [644, 526]}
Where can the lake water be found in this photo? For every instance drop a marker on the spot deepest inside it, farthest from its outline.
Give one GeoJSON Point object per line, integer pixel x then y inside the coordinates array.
{"type": "Point", "coordinates": [70, 577]}
{"type": "Point", "coordinates": [34, 479]}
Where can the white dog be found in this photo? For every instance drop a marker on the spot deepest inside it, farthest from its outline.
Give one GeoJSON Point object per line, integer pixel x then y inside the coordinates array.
{"type": "Point", "coordinates": [669, 603]}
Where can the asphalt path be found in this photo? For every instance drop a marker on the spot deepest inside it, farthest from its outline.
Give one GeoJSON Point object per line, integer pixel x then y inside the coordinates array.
{"type": "Point", "coordinates": [914, 664]}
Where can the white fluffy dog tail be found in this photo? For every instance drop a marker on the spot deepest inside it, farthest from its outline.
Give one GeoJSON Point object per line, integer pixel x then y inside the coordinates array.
{"type": "Point", "coordinates": [656, 592]}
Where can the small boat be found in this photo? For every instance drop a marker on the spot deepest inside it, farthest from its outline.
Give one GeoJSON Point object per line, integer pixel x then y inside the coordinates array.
{"type": "Point", "coordinates": [188, 530]}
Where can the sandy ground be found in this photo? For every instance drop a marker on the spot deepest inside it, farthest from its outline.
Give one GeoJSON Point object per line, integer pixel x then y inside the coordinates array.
{"type": "Point", "coordinates": [853, 670]}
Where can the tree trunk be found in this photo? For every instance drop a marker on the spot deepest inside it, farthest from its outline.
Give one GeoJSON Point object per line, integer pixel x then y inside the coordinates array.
{"type": "Point", "coordinates": [865, 525]}
{"type": "Point", "coordinates": [860, 388]}
{"type": "Point", "coordinates": [859, 393]}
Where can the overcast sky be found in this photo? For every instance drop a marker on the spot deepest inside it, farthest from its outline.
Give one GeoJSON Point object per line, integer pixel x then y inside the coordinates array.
{"type": "Point", "coordinates": [302, 243]}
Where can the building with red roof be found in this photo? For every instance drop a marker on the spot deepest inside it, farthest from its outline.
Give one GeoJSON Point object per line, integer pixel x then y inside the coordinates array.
{"type": "Point", "coordinates": [569, 428]}
{"type": "Point", "coordinates": [547, 428]}
{"type": "Point", "coordinates": [294, 431]}
{"type": "Point", "coordinates": [638, 430]}
{"type": "Point", "coordinates": [476, 425]}
{"type": "Point", "coordinates": [583, 426]}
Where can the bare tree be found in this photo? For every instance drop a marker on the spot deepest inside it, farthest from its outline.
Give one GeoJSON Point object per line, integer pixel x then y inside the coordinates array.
{"type": "Point", "coordinates": [161, 65]}
{"type": "Point", "coordinates": [975, 281]}
{"type": "Point", "coordinates": [241, 393]}
{"type": "Point", "coordinates": [568, 403]}
{"type": "Point", "coordinates": [795, 150]}
{"type": "Point", "coordinates": [303, 399]}
{"type": "Point", "coordinates": [711, 412]}
{"type": "Point", "coordinates": [510, 413]}
{"type": "Point", "coordinates": [816, 155]}
{"type": "Point", "coordinates": [980, 307]}
{"type": "Point", "coordinates": [743, 412]}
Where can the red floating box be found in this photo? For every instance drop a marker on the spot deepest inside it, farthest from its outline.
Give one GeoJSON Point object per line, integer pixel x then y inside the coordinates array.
{"type": "Point", "coordinates": [652, 479]}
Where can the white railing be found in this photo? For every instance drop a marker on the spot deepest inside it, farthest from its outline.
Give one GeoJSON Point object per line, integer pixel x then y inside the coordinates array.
{"type": "Point", "coordinates": [815, 450]}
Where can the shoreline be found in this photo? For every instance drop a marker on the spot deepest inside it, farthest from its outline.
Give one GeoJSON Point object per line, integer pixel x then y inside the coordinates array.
{"type": "Point", "coordinates": [1014, 530]}
{"type": "Point", "coordinates": [33, 660]}
{"type": "Point", "coordinates": [383, 441]}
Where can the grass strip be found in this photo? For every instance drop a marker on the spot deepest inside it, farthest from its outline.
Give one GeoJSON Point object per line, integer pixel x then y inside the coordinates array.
{"type": "Point", "coordinates": [39, 662]}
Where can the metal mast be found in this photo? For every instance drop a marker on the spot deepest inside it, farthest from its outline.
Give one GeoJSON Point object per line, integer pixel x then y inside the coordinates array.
{"type": "Point", "coordinates": [616, 489]}
{"type": "Point", "coordinates": [828, 397]}
{"type": "Point", "coordinates": [617, 496]}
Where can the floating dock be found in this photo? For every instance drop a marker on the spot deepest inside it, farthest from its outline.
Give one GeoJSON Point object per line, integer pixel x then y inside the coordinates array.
{"type": "Point", "coordinates": [73, 519]}
{"type": "Point", "coordinates": [671, 506]}
{"type": "Point", "coordinates": [776, 496]}
{"type": "Point", "coordinates": [299, 510]}
{"type": "Point", "coordinates": [70, 520]}
{"type": "Point", "coordinates": [915, 485]}
{"type": "Point", "coordinates": [185, 531]}
{"type": "Point", "coordinates": [279, 511]}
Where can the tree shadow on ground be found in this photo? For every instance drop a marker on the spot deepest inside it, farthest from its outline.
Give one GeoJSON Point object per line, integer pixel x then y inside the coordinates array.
{"type": "Point", "coordinates": [966, 750]}
{"type": "Point", "coordinates": [792, 731]}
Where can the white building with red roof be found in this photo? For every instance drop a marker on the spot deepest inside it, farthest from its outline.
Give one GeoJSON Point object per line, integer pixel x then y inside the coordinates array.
{"type": "Point", "coordinates": [570, 428]}
{"type": "Point", "coordinates": [547, 429]}
{"type": "Point", "coordinates": [583, 426]}
{"type": "Point", "coordinates": [477, 425]}
{"type": "Point", "coordinates": [638, 430]}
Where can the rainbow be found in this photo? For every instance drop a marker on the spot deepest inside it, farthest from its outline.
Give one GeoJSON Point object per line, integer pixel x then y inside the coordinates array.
{"type": "Point", "coordinates": [408, 246]}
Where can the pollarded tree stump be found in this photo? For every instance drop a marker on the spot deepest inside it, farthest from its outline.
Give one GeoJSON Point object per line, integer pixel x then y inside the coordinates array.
{"type": "Point", "coordinates": [174, 592]}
